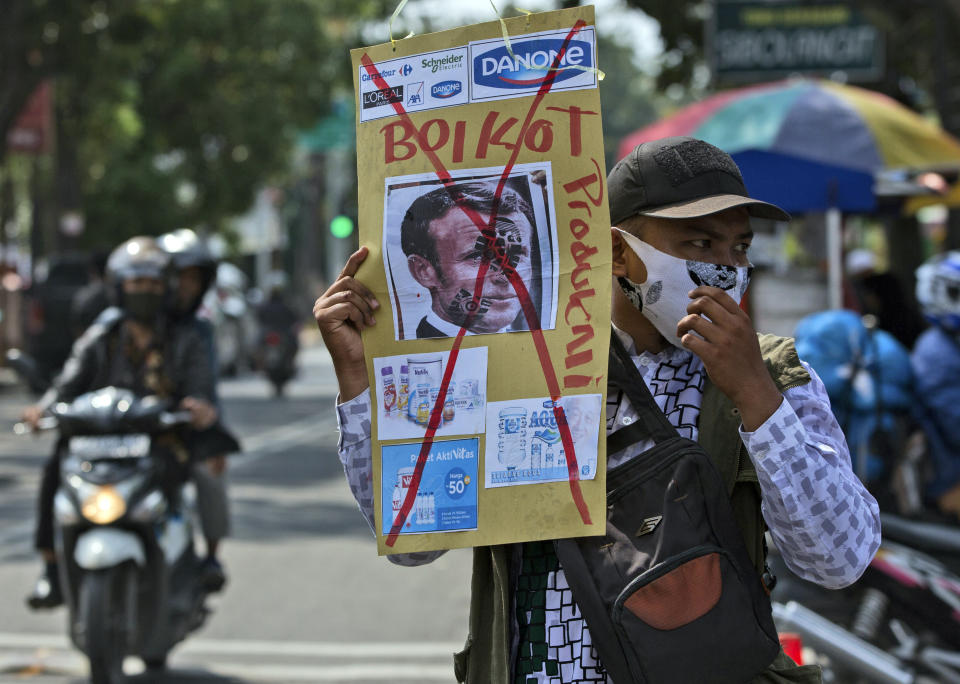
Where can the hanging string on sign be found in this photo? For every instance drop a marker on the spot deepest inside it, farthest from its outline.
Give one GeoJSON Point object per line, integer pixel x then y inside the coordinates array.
{"type": "Point", "coordinates": [396, 13]}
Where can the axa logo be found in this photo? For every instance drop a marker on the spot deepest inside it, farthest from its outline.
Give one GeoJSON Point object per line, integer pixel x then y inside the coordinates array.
{"type": "Point", "coordinates": [446, 89]}
{"type": "Point", "coordinates": [406, 70]}
{"type": "Point", "coordinates": [530, 62]}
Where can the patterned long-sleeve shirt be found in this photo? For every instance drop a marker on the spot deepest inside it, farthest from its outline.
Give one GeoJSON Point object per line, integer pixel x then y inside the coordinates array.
{"type": "Point", "coordinates": [824, 522]}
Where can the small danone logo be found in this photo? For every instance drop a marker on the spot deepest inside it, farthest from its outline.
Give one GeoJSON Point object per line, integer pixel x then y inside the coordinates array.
{"type": "Point", "coordinates": [649, 525]}
{"type": "Point", "coordinates": [446, 89]}
{"type": "Point", "coordinates": [530, 62]}
{"type": "Point", "coordinates": [376, 98]}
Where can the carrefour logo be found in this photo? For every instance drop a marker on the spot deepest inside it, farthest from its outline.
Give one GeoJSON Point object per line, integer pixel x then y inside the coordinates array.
{"type": "Point", "coordinates": [367, 76]}
{"type": "Point", "coordinates": [446, 89]}
{"type": "Point", "coordinates": [529, 64]}
{"type": "Point", "coordinates": [406, 70]}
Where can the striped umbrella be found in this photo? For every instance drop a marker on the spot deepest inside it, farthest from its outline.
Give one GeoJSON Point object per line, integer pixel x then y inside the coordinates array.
{"type": "Point", "coordinates": [810, 145]}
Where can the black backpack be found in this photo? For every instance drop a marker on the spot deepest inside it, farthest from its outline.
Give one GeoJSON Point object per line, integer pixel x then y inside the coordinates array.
{"type": "Point", "coordinates": [669, 592]}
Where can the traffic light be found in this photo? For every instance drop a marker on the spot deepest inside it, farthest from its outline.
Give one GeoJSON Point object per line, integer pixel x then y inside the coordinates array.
{"type": "Point", "coordinates": [341, 226]}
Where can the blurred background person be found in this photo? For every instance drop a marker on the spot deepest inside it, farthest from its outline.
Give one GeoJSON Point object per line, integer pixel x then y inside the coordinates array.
{"type": "Point", "coordinates": [868, 377]}
{"type": "Point", "coordinates": [279, 333]}
{"type": "Point", "coordinates": [882, 295]}
{"type": "Point", "coordinates": [194, 270]}
{"type": "Point", "coordinates": [91, 299]}
{"type": "Point", "coordinates": [936, 366]}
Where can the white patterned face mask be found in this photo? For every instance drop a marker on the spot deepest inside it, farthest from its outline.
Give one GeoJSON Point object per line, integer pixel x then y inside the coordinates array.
{"type": "Point", "coordinates": [663, 298]}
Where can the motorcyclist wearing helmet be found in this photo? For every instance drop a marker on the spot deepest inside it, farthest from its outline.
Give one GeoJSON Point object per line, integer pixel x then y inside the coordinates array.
{"type": "Point", "coordinates": [936, 365]}
{"type": "Point", "coordinates": [194, 270]}
{"type": "Point", "coordinates": [275, 313]}
{"type": "Point", "coordinates": [129, 347]}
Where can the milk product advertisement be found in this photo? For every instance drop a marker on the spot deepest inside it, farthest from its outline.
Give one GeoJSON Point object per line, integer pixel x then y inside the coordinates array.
{"type": "Point", "coordinates": [527, 448]}
{"type": "Point", "coordinates": [408, 387]}
{"type": "Point", "coordinates": [446, 498]}
{"type": "Point", "coordinates": [482, 193]}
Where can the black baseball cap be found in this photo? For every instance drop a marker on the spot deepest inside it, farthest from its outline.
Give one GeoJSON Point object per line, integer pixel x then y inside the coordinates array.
{"type": "Point", "coordinates": [680, 177]}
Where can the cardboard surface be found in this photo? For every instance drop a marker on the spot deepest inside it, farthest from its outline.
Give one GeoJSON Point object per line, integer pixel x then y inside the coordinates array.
{"type": "Point", "coordinates": [473, 156]}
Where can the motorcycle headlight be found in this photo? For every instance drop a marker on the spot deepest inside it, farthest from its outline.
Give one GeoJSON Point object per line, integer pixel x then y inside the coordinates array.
{"type": "Point", "coordinates": [103, 506]}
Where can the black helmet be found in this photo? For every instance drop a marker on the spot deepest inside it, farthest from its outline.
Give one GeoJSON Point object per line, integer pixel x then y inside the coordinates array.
{"type": "Point", "coordinates": [187, 250]}
{"type": "Point", "coordinates": [138, 257]}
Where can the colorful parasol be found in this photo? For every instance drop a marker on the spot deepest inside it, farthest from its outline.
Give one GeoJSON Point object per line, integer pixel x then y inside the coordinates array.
{"type": "Point", "coordinates": [810, 145]}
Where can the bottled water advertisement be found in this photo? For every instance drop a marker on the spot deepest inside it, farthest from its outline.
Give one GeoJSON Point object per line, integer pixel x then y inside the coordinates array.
{"type": "Point", "coordinates": [408, 387]}
{"type": "Point", "coordinates": [524, 445]}
{"type": "Point", "coordinates": [446, 499]}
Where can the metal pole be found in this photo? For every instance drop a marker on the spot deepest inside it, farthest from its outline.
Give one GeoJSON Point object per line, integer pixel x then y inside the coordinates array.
{"type": "Point", "coordinates": [834, 258]}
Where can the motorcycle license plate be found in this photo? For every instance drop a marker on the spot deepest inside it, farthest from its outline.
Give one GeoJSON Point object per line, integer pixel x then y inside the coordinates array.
{"type": "Point", "coordinates": [110, 446]}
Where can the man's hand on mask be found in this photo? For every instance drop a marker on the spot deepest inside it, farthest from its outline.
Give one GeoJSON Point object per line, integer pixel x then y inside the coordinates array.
{"type": "Point", "coordinates": [203, 414]}
{"type": "Point", "coordinates": [731, 353]}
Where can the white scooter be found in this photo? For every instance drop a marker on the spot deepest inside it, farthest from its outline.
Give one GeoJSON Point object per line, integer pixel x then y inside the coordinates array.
{"type": "Point", "coordinates": [124, 536]}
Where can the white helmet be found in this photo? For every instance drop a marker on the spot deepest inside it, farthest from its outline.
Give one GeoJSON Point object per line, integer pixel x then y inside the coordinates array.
{"type": "Point", "coordinates": [938, 290]}
{"type": "Point", "coordinates": [276, 280]}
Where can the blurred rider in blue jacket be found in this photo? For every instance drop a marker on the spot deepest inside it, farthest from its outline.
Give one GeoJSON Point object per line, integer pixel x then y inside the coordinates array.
{"type": "Point", "coordinates": [867, 374]}
{"type": "Point", "coordinates": [936, 365]}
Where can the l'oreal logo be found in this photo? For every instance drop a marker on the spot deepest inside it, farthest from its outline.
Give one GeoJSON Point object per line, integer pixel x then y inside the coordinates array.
{"type": "Point", "coordinates": [529, 66]}
{"type": "Point", "coordinates": [446, 89]}
{"type": "Point", "coordinates": [377, 98]}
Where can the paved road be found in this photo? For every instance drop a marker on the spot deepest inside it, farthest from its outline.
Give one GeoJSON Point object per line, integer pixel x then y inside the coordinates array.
{"type": "Point", "coordinates": [308, 599]}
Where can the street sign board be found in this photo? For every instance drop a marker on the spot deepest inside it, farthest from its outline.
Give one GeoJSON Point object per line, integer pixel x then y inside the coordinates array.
{"type": "Point", "coordinates": [751, 41]}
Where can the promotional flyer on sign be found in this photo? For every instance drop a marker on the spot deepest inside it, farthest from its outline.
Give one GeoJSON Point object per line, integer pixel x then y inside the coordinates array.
{"type": "Point", "coordinates": [483, 202]}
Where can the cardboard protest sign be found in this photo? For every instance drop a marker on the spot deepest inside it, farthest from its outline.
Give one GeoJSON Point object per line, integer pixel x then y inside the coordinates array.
{"type": "Point", "coordinates": [483, 203]}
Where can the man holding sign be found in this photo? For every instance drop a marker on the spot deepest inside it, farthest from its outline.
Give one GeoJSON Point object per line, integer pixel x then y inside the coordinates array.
{"type": "Point", "coordinates": [680, 241]}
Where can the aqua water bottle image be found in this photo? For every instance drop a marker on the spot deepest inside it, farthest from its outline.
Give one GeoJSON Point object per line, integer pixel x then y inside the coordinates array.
{"type": "Point", "coordinates": [512, 437]}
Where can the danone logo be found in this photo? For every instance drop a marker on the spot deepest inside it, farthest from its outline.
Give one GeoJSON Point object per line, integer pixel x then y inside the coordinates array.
{"type": "Point", "coordinates": [446, 89]}
{"type": "Point", "coordinates": [529, 65]}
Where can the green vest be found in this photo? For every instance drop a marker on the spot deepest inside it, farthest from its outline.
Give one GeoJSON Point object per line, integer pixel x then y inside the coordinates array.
{"type": "Point", "coordinates": [486, 658]}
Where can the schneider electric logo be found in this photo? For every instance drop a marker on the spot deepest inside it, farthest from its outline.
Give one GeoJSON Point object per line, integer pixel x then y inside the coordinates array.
{"type": "Point", "coordinates": [528, 65]}
{"type": "Point", "coordinates": [435, 64]}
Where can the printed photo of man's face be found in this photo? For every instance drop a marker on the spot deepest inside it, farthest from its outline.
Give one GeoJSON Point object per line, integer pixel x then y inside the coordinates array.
{"type": "Point", "coordinates": [445, 249]}
{"type": "Point", "coordinates": [438, 238]}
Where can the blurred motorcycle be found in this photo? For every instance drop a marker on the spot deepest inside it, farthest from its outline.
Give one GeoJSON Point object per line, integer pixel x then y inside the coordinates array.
{"type": "Point", "coordinates": [233, 318]}
{"type": "Point", "coordinates": [899, 623]}
{"type": "Point", "coordinates": [280, 326]}
{"type": "Point", "coordinates": [279, 355]}
{"type": "Point", "coordinates": [124, 537]}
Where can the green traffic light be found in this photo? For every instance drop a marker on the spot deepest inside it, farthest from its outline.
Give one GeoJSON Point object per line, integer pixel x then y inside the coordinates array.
{"type": "Point", "coordinates": [341, 226]}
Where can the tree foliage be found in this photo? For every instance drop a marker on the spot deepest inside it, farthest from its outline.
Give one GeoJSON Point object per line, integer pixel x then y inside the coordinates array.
{"type": "Point", "coordinates": [172, 112]}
